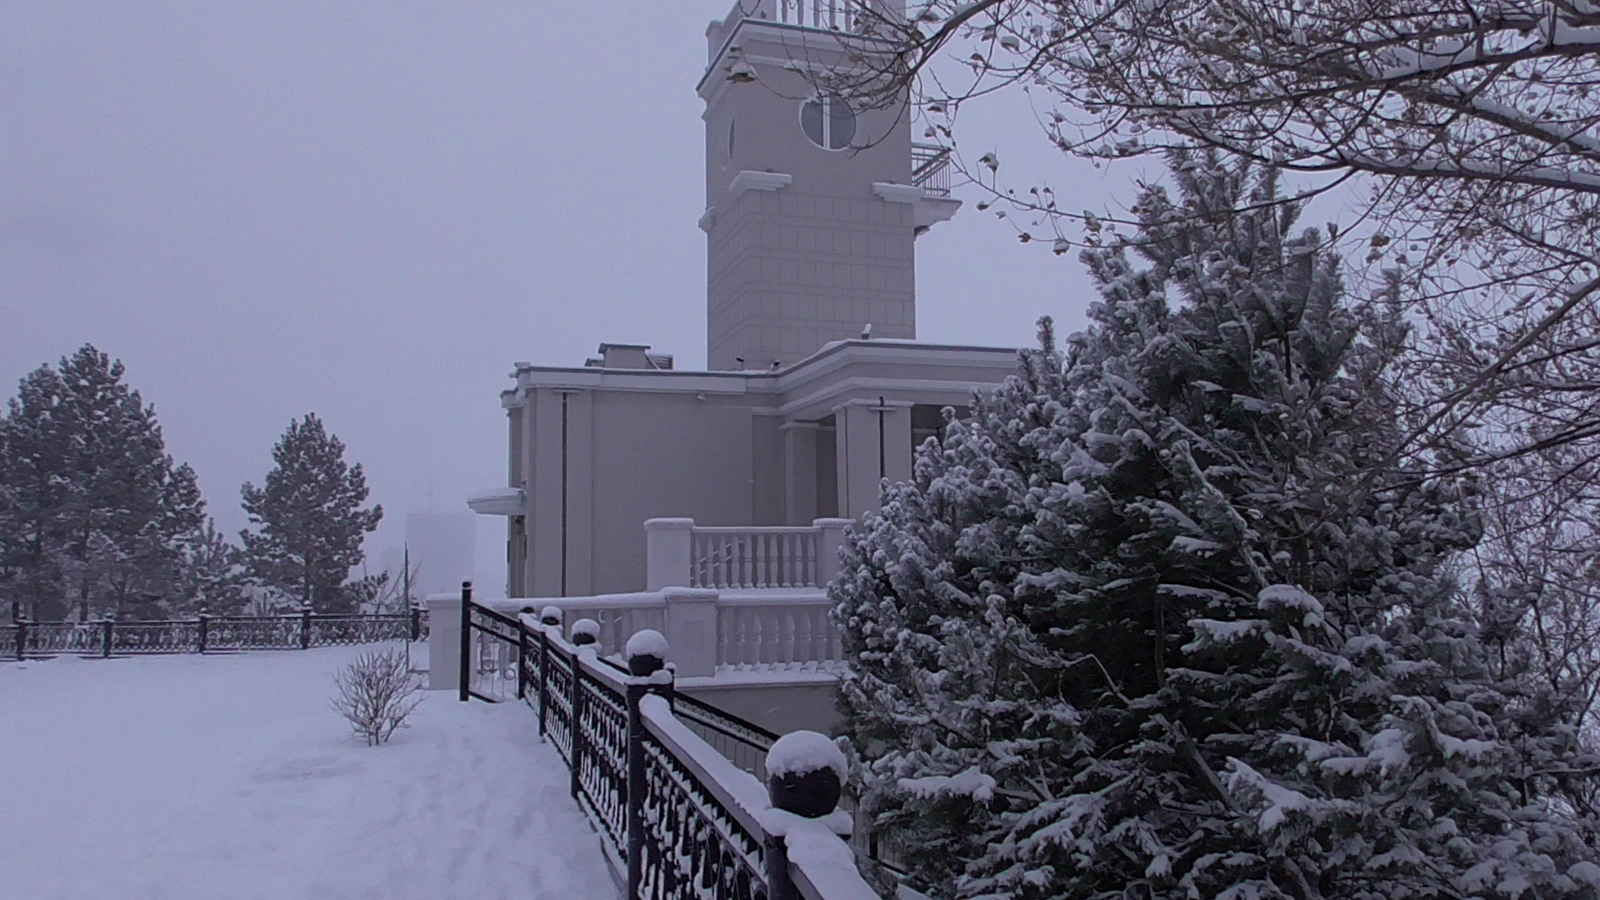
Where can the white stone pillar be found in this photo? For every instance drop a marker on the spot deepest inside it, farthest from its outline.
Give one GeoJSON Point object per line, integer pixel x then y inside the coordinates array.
{"type": "Point", "coordinates": [444, 642]}
{"type": "Point", "coordinates": [668, 550]}
{"type": "Point", "coordinates": [800, 471]}
{"type": "Point", "coordinates": [829, 543]}
{"type": "Point", "coordinates": [874, 443]}
{"type": "Point", "coordinates": [692, 630]}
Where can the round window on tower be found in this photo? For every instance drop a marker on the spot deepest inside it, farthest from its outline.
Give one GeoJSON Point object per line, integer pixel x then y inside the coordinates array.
{"type": "Point", "coordinates": [828, 121]}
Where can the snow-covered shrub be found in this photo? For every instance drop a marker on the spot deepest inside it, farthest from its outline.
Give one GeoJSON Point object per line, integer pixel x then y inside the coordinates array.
{"type": "Point", "coordinates": [1171, 614]}
{"type": "Point", "coordinates": [375, 694]}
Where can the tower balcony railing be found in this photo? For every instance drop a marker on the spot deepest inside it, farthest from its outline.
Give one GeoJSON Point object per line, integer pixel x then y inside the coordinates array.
{"type": "Point", "coordinates": [930, 169]}
{"type": "Point", "coordinates": [847, 16]}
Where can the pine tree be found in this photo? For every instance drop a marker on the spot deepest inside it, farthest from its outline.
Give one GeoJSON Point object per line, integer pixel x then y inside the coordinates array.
{"type": "Point", "coordinates": [1171, 617]}
{"type": "Point", "coordinates": [97, 513]}
{"type": "Point", "coordinates": [309, 520]}
{"type": "Point", "coordinates": [214, 579]}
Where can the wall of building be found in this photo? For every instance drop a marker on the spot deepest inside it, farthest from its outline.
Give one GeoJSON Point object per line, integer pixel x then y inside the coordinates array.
{"type": "Point", "coordinates": [789, 270]}
{"type": "Point", "coordinates": [664, 455]}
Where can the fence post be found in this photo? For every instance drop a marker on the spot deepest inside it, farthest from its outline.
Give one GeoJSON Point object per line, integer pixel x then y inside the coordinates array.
{"type": "Point", "coordinates": [549, 617]}
{"type": "Point", "coordinates": [647, 660]}
{"type": "Point", "coordinates": [465, 691]}
{"type": "Point", "coordinates": [416, 624]}
{"type": "Point", "coordinates": [522, 659]}
{"type": "Point", "coordinates": [775, 859]}
{"type": "Point", "coordinates": [22, 640]}
{"type": "Point", "coordinates": [305, 627]}
{"type": "Point", "coordinates": [106, 638]}
{"type": "Point", "coordinates": [575, 703]}
{"type": "Point", "coordinates": [810, 786]}
{"type": "Point", "coordinates": [205, 621]}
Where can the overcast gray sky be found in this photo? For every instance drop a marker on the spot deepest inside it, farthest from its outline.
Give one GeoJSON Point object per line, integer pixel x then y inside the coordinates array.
{"type": "Point", "coordinates": [371, 209]}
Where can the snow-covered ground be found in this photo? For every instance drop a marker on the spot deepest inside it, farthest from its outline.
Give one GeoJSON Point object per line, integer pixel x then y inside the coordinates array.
{"type": "Point", "coordinates": [182, 777]}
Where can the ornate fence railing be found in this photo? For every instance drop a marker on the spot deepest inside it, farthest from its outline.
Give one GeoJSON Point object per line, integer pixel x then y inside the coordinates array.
{"type": "Point", "coordinates": [23, 639]}
{"type": "Point", "coordinates": [671, 782]}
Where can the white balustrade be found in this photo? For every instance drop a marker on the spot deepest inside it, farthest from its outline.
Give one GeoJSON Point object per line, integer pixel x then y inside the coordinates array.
{"type": "Point", "coordinates": [780, 633]}
{"type": "Point", "coordinates": [755, 630]}
{"type": "Point", "coordinates": [619, 615]}
{"type": "Point", "coordinates": [753, 557]}
{"type": "Point", "coordinates": [679, 553]}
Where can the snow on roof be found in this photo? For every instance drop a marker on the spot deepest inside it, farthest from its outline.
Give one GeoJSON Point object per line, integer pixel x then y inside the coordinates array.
{"type": "Point", "coordinates": [648, 642]}
{"type": "Point", "coordinates": [550, 612]}
{"type": "Point", "coordinates": [804, 751]}
{"type": "Point", "coordinates": [587, 626]}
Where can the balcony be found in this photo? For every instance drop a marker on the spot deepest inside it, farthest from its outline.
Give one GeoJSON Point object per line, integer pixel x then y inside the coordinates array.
{"type": "Point", "coordinates": [930, 169]}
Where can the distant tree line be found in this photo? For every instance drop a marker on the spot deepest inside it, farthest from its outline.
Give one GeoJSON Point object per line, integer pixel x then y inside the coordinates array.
{"type": "Point", "coordinates": [97, 519]}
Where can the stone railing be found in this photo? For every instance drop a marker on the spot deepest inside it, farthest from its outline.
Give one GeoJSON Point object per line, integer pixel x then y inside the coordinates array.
{"type": "Point", "coordinates": [714, 631]}
{"type": "Point", "coordinates": [680, 553]}
{"type": "Point", "coordinates": [753, 557]}
{"type": "Point", "coordinates": [793, 632]}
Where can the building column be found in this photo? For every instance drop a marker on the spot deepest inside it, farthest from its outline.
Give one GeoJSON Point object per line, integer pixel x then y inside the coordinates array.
{"type": "Point", "coordinates": [560, 493]}
{"type": "Point", "coordinates": [800, 472]}
{"type": "Point", "coordinates": [874, 442]}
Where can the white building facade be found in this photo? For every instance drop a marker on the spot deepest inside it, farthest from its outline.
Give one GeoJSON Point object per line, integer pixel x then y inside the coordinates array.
{"type": "Point", "coordinates": [633, 485]}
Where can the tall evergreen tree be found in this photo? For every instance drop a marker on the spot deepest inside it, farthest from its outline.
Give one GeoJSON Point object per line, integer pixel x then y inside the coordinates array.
{"type": "Point", "coordinates": [96, 514]}
{"type": "Point", "coordinates": [1168, 619]}
{"type": "Point", "coordinates": [214, 579]}
{"type": "Point", "coordinates": [309, 520]}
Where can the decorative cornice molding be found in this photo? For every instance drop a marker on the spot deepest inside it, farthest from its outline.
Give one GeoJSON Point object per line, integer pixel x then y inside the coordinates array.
{"type": "Point", "coordinates": [897, 193]}
{"type": "Point", "coordinates": [759, 181]}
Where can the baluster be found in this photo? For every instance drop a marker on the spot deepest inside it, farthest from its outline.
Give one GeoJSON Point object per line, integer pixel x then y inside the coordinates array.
{"type": "Point", "coordinates": [728, 562]}
{"type": "Point", "coordinates": [770, 636]}
{"type": "Point", "coordinates": [721, 637]}
{"type": "Point", "coordinates": [742, 553]}
{"type": "Point", "coordinates": [749, 636]}
{"type": "Point", "coordinates": [799, 575]}
{"type": "Point", "coordinates": [769, 570]}
{"type": "Point", "coordinates": [804, 629]}
{"type": "Point", "coordinates": [758, 560]}
{"type": "Point", "coordinates": [780, 551]}
{"type": "Point", "coordinates": [774, 560]}
{"type": "Point", "coordinates": [717, 558]}
{"type": "Point", "coordinates": [752, 640]}
{"type": "Point", "coordinates": [786, 635]}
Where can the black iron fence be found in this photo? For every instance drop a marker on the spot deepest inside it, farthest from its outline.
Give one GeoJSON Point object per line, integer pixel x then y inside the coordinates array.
{"type": "Point", "coordinates": [666, 778]}
{"type": "Point", "coordinates": [206, 634]}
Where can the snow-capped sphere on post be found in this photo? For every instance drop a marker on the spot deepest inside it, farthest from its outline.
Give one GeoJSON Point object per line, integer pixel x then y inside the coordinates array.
{"type": "Point", "coordinates": [585, 632]}
{"type": "Point", "coordinates": [646, 652]}
{"type": "Point", "coordinates": [805, 774]}
{"type": "Point", "coordinates": [550, 615]}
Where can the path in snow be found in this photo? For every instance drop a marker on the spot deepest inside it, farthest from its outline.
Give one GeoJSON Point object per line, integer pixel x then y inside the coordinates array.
{"type": "Point", "coordinates": [182, 777]}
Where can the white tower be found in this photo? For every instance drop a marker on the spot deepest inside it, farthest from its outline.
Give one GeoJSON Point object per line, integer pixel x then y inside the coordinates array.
{"type": "Point", "coordinates": [812, 207]}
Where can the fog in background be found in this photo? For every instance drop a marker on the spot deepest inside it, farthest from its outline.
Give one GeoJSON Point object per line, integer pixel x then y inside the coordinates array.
{"type": "Point", "coordinates": [370, 210]}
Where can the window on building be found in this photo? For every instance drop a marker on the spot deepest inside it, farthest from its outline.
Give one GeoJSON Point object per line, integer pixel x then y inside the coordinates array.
{"type": "Point", "coordinates": [828, 121]}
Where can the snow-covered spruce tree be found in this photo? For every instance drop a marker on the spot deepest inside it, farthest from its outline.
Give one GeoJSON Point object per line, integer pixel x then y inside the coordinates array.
{"type": "Point", "coordinates": [214, 580]}
{"type": "Point", "coordinates": [309, 520]}
{"type": "Point", "coordinates": [1167, 618]}
{"type": "Point", "coordinates": [97, 514]}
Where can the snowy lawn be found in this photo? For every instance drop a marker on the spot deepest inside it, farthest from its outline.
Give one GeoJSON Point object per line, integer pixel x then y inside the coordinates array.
{"type": "Point", "coordinates": [181, 777]}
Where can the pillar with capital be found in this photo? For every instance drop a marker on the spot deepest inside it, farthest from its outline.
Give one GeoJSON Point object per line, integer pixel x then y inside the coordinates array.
{"type": "Point", "coordinates": [874, 442]}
